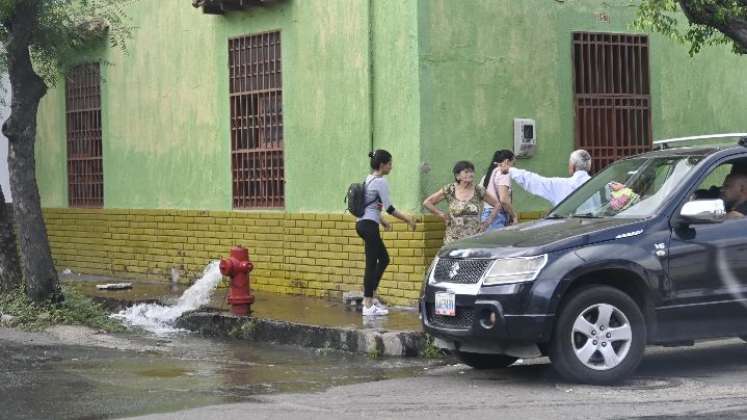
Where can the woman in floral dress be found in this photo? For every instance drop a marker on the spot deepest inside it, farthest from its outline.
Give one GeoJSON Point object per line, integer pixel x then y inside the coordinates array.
{"type": "Point", "coordinates": [465, 203]}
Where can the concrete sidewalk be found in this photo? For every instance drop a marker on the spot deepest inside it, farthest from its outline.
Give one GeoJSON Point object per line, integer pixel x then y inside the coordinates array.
{"type": "Point", "coordinates": [299, 320]}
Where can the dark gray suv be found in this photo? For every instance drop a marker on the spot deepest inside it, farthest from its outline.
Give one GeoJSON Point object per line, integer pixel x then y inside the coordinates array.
{"type": "Point", "coordinates": [605, 273]}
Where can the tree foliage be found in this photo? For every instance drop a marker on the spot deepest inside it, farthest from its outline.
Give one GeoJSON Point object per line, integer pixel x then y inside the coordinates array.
{"type": "Point", "coordinates": [709, 22]}
{"type": "Point", "coordinates": [66, 30]}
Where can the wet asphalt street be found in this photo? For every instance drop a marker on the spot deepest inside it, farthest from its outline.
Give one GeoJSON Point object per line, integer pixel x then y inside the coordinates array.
{"type": "Point", "coordinates": [708, 381]}
{"type": "Point", "coordinates": [44, 377]}
{"type": "Point", "coordinates": [195, 378]}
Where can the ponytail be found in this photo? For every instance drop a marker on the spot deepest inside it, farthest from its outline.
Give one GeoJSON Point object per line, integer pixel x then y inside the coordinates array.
{"type": "Point", "coordinates": [489, 174]}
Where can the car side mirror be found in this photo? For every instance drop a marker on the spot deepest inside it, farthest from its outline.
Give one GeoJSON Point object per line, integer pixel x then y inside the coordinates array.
{"type": "Point", "coordinates": [703, 211]}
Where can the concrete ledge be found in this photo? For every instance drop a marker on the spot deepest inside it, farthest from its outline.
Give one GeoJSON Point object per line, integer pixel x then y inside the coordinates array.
{"type": "Point", "coordinates": [370, 341]}
{"type": "Point", "coordinates": [114, 304]}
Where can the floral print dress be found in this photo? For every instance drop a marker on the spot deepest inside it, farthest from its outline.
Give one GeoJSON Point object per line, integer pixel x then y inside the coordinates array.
{"type": "Point", "coordinates": [464, 216]}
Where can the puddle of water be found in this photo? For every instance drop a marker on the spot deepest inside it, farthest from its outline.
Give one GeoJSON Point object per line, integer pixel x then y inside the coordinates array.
{"type": "Point", "coordinates": [191, 372]}
{"type": "Point", "coordinates": [159, 319]}
{"type": "Point", "coordinates": [165, 372]}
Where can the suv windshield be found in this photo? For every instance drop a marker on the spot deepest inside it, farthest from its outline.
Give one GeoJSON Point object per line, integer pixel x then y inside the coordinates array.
{"type": "Point", "coordinates": [631, 188]}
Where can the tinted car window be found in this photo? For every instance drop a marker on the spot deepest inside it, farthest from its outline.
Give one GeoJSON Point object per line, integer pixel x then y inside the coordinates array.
{"type": "Point", "coordinates": [632, 188]}
{"type": "Point", "coordinates": [716, 178]}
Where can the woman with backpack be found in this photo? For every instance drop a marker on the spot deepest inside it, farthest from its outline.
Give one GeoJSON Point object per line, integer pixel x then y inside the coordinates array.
{"type": "Point", "coordinates": [497, 184]}
{"type": "Point", "coordinates": [465, 204]}
{"type": "Point", "coordinates": [367, 227]}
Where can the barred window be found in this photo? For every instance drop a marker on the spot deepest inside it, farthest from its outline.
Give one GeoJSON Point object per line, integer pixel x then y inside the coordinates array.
{"type": "Point", "coordinates": [611, 95]}
{"type": "Point", "coordinates": [256, 121]}
{"type": "Point", "coordinates": [85, 170]}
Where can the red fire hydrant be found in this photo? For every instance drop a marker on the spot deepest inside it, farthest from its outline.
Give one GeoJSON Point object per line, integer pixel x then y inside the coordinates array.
{"type": "Point", "coordinates": [237, 267]}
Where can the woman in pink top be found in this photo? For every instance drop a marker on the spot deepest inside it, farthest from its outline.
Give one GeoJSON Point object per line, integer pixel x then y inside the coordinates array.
{"type": "Point", "coordinates": [498, 185]}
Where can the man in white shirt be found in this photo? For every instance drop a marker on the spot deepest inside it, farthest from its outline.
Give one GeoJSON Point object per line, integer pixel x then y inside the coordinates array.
{"type": "Point", "coordinates": [554, 189]}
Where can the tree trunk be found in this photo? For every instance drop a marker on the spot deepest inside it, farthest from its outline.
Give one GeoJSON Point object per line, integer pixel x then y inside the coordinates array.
{"type": "Point", "coordinates": [10, 270]}
{"type": "Point", "coordinates": [734, 27]}
{"type": "Point", "coordinates": [28, 88]}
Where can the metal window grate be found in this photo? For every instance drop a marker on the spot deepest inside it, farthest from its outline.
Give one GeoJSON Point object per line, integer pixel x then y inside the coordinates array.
{"type": "Point", "coordinates": [256, 121]}
{"type": "Point", "coordinates": [611, 95]}
{"type": "Point", "coordinates": [84, 149]}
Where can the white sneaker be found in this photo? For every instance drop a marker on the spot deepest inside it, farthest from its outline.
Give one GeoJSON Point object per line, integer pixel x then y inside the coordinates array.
{"type": "Point", "coordinates": [380, 305]}
{"type": "Point", "coordinates": [374, 310]}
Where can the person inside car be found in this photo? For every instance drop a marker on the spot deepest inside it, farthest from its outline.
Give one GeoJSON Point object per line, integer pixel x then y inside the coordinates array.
{"type": "Point", "coordinates": [740, 167]}
{"type": "Point", "coordinates": [734, 194]}
{"type": "Point", "coordinates": [714, 192]}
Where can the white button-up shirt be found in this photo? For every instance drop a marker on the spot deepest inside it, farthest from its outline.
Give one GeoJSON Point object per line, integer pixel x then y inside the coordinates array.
{"type": "Point", "coordinates": [554, 189]}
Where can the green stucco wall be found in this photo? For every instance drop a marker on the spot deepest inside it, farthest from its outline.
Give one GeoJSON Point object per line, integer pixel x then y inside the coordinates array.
{"type": "Point", "coordinates": [447, 77]}
{"type": "Point", "coordinates": [397, 96]}
{"type": "Point", "coordinates": [166, 105]}
{"type": "Point", "coordinates": [485, 62]}
{"type": "Point", "coordinates": [51, 151]}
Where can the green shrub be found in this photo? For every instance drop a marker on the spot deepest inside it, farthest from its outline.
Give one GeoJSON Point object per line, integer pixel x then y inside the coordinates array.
{"type": "Point", "coordinates": [76, 309]}
{"type": "Point", "coordinates": [430, 351]}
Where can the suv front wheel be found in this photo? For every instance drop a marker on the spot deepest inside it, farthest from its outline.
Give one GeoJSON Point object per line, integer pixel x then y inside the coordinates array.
{"type": "Point", "coordinates": [600, 336]}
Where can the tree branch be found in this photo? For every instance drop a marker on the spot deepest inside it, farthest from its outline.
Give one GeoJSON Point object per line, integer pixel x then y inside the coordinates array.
{"type": "Point", "coordinates": [734, 27]}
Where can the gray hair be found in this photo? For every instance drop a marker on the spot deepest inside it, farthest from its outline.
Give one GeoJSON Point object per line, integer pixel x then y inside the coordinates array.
{"type": "Point", "coordinates": [581, 160]}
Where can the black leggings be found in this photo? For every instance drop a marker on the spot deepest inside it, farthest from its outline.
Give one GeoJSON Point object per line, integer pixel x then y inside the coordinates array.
{"type": "Point", "coordinates": [376, 256]}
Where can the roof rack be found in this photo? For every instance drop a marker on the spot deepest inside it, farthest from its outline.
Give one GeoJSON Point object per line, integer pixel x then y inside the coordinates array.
{"type": "Point", "coordinates": [665, 143]}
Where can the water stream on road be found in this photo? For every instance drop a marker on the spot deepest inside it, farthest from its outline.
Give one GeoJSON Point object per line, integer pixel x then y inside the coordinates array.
{"type": "Point", "coordinates": [172, 373]}
{"type": "Point", "coordinates": [160, 319]}
{"type": "Point", "coordinates": [164, 370]}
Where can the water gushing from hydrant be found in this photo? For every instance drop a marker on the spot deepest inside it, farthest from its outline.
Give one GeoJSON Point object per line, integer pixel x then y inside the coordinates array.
{"type": "Point", "coordinates": [160, 319]}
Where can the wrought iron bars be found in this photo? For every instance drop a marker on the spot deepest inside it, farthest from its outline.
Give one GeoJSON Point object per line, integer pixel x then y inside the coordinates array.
{"type": "Point", "coordinates": [255, 87]}
{"type": "Point", "coordinates": [84, 146]}
{"type": "Point", "coordinates": [611, 95]}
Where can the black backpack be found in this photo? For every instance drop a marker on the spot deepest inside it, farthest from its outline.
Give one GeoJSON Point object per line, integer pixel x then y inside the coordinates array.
{"type": "Point", "coordinates": [356, 199]}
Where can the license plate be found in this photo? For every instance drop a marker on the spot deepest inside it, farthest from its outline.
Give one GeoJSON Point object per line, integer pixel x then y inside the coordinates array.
{"type": "Point", "coordinates": [445, 304]}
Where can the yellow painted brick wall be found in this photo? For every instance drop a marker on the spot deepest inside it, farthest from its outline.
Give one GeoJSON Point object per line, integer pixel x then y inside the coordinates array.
{"type": "Point", "coordinates": [309, 254]}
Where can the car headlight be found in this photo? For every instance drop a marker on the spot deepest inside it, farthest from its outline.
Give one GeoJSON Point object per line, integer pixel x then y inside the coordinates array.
{"type": "Point", "coordinates": [514, 270]}
{"type": "Point", "coordinates": [429, 273]}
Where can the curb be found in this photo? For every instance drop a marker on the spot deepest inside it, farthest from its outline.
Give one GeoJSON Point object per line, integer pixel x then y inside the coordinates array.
{"type": "Point", "coordinates": [371, 341]}
{"type": "Point", "coordinates": [113, 304]}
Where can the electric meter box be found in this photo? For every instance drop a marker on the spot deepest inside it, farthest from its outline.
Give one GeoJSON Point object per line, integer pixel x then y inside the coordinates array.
{"type": "Point", "coordinates": [525, 137]}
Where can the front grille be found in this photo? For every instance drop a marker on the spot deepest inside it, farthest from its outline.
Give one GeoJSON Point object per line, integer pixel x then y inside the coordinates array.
{"type": "Point", "coordinates": [459, 271]}
{"type": "Point", "coordinates": [462, 319]}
